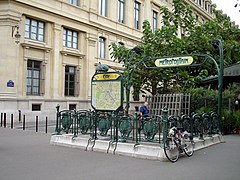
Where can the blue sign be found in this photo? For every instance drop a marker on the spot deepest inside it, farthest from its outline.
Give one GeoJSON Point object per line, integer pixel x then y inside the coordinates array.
{"type": "Point", "coordinates": [10, 83]}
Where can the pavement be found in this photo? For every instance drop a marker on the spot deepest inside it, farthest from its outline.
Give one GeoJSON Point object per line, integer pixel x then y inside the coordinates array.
{"type": "Point", "coordinates": [31, 125]}
{"type": "Point", "coordinates": [26, 155]}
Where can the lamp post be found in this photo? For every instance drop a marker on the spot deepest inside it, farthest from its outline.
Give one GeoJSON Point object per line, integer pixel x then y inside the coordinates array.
{"type": "Point", "coordinates": [218, 44]}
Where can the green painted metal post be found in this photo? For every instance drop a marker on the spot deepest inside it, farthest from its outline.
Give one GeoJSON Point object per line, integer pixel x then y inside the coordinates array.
{"type": "Point", "coordinates": [57, 129]}
{"type": "Point", "coordinates": [75, 116]}
{"type": "Point", "coordinates": [136, 119]}
{"type": "Point", "coordinates": [165, 123]}
{"type": "Point", "coordinates": [217, 43]}
{"type": "Point", "coordinates": [95, 126]}
{"type": "Point", "coordinates": [201, 127]}
{"type": "Point", "coordinates": [92, 125]}
{"type": "Point", "coordinates": [114, 127]}
{"type": "Point", "coordinates": [191, 125]}
{"type": "Point", "coordinates": [116, 124]}
{"type": "Point", "coordinates": [220, 84]}
{"type": "Point", "coordinates": [210, 125]}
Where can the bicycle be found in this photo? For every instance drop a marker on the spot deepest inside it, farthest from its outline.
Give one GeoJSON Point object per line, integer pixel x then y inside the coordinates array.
{"type": "Point", "coordinates": [178, 141]}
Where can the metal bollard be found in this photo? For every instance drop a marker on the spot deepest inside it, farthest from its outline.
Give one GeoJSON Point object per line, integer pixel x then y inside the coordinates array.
{"type": "Point", "coordinates": [57, 129]}
{"type": "Point", "coordinates": [159, 132]}
{"type": "Point", "coordinates": [24, 122]}
{"type": "Point", "coordinates": [201, 128]}
{"type": "Point", "coordinates": [136, 120]}
{"type": "Point", "coordinates": [165, 123]}
{"type": "Point", "coordinates": [11, 121]}
{"type": "Point", "coordinates": [95, 127]}
{"type": "Point", "coordinates": [4, 120]}
{"type": "Point", "coordinates": [36, 123]}
{"type": "Point", "coordinates": [116, 125]}
{"type": "Point", "coordinates": [1, 119]}
{"type": "Point", "coordinates": [75, 132]}
{"type": "Point", "coordinates": [46, 125]}
{"type": "Point", "coordinates": [19, 116]}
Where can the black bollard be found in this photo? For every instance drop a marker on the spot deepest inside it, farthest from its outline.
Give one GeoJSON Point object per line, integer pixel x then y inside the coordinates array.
{"type": "Point", "coordinates": [4, 120]}
{"type": "Point", "coordinates": [46, 127]}
{"type": "Point", "coordinates": [24, 122]}
{"type": "Point", "coordinates": [19, 116]}
{"type": "Point", "coordinates": [1, 119]}
{"type": "Point", "coordinates": [57, 130]}
{"type": "Point", "coordinates": [11, 121]}
{"type": "Point", "coordinates": [36, 123]}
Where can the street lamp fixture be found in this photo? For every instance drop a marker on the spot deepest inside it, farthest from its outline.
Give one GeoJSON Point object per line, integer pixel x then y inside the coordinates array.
{"type": "Point", "coordinates": [17, 34]}
{"type": "Point", "coordinates": [217, 44]}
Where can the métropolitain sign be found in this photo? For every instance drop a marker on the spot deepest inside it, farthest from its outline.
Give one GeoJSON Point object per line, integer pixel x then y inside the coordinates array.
{"type": "Point", "coordinates": [174, 61]}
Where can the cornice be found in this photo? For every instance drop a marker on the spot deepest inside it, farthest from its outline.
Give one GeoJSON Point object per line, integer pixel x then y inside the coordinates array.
{"type": "Point", "coordinates": [36, 45]}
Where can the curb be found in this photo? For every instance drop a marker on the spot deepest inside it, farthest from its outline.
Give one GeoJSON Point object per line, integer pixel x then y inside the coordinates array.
{"type": "Point", "coordinates": [126, 149]}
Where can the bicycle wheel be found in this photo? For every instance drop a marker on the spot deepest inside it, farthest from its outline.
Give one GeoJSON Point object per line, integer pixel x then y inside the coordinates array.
{"type": "Point", "coordinates": [171, 150]}
{"type": "Point", "coordinates": [188, 146]}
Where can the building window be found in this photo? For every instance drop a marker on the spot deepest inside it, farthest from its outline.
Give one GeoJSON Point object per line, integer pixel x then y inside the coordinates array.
{"type": "Point", "coordinates": [102, 47]}
{"type": "Point", "coordinates": [36, 107]}
{"type": "Point", "coordinates": [70, 73]}
{"type": "Point", "coordinates": [33, 77]}
{"type": "Point", "coordinates": [34, 29]}
{"type": "Point", "coordinates": [121, 10]}
{"type": "Point", "coordinates": [205, 5]}
{"type": "Point", "coordinates": [200, 2]}
{"type": "Point", "coordinates": [211, 10]}
{"type": "Point", "coordinates": [137, 15]}
{"type": "Point", "coordinates": [70, 38]}
{"type": "Point", "coordinates": [103, 7]}
{"type": "Point", "coordinates": [72, 106]}
{"type": "Point", "coordinates": [203, 21]}
{"type": "Point", "coordinates": [197, 17]}
{"type": "Point", "coordinates": [121, 43]}
{"type": "Point", "coordinates": [155, 20]}
{"type": "Point", "coordinates": [74, 2]}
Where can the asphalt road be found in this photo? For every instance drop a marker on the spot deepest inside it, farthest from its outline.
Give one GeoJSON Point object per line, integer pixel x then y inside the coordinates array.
{"type": "Point", "coordinates": [26, 155]}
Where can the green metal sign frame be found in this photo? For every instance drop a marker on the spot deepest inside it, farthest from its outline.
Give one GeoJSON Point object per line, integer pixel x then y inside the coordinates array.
{"type": "Point", "coordinates": [176, 61]}
{"type": "Point", "coordinates": [220, 67]}
{"type": "Point", "coordinates": [107, 92]}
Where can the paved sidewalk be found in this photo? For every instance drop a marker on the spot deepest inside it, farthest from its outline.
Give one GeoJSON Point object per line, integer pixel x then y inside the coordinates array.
{"type": "Point", "coordinates": [26, 155]}
{"type": "Point", "coordinates": [31, 125]}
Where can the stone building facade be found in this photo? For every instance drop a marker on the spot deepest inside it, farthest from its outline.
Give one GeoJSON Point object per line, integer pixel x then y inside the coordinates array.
{"type": "Point", "coordinates": [60, 44]}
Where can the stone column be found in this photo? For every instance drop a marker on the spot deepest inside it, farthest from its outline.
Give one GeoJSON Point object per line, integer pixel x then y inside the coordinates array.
{"type": "Point", "coordinates": [9, 51]}
{"type": "Point", "coordinates": [24, 72]}
{"type": "Point", "coordinates": [46, 75]}
{"type": "Point", "coordinates": [90, 61]}
{"type": "Point", "coordinates": [78, 91]}
{"type": "Point", "coordinates": [56, 75]}
{"type": "Point", "coordinates": [129, 13]}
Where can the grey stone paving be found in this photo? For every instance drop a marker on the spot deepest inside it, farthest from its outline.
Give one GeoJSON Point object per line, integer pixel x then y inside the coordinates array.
{"type": "Point", "coordinates": [26, 155]}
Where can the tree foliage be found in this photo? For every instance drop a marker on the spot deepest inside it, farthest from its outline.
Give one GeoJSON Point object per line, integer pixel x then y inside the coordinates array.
{"type": "Point", "coordinates": [165, 41]}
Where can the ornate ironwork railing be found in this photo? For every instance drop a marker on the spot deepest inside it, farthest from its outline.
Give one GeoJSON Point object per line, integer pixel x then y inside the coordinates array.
{"type": "Point", "coordinates": [120, 127]}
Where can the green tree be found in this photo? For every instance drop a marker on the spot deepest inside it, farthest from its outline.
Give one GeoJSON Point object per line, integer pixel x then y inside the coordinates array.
{"type": "Point", "coordinates": [165, 41]}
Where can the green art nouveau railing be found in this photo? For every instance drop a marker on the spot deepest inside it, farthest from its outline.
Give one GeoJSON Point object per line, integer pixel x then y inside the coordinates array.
{"type": "Point", "coordinates": [119, 127]}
